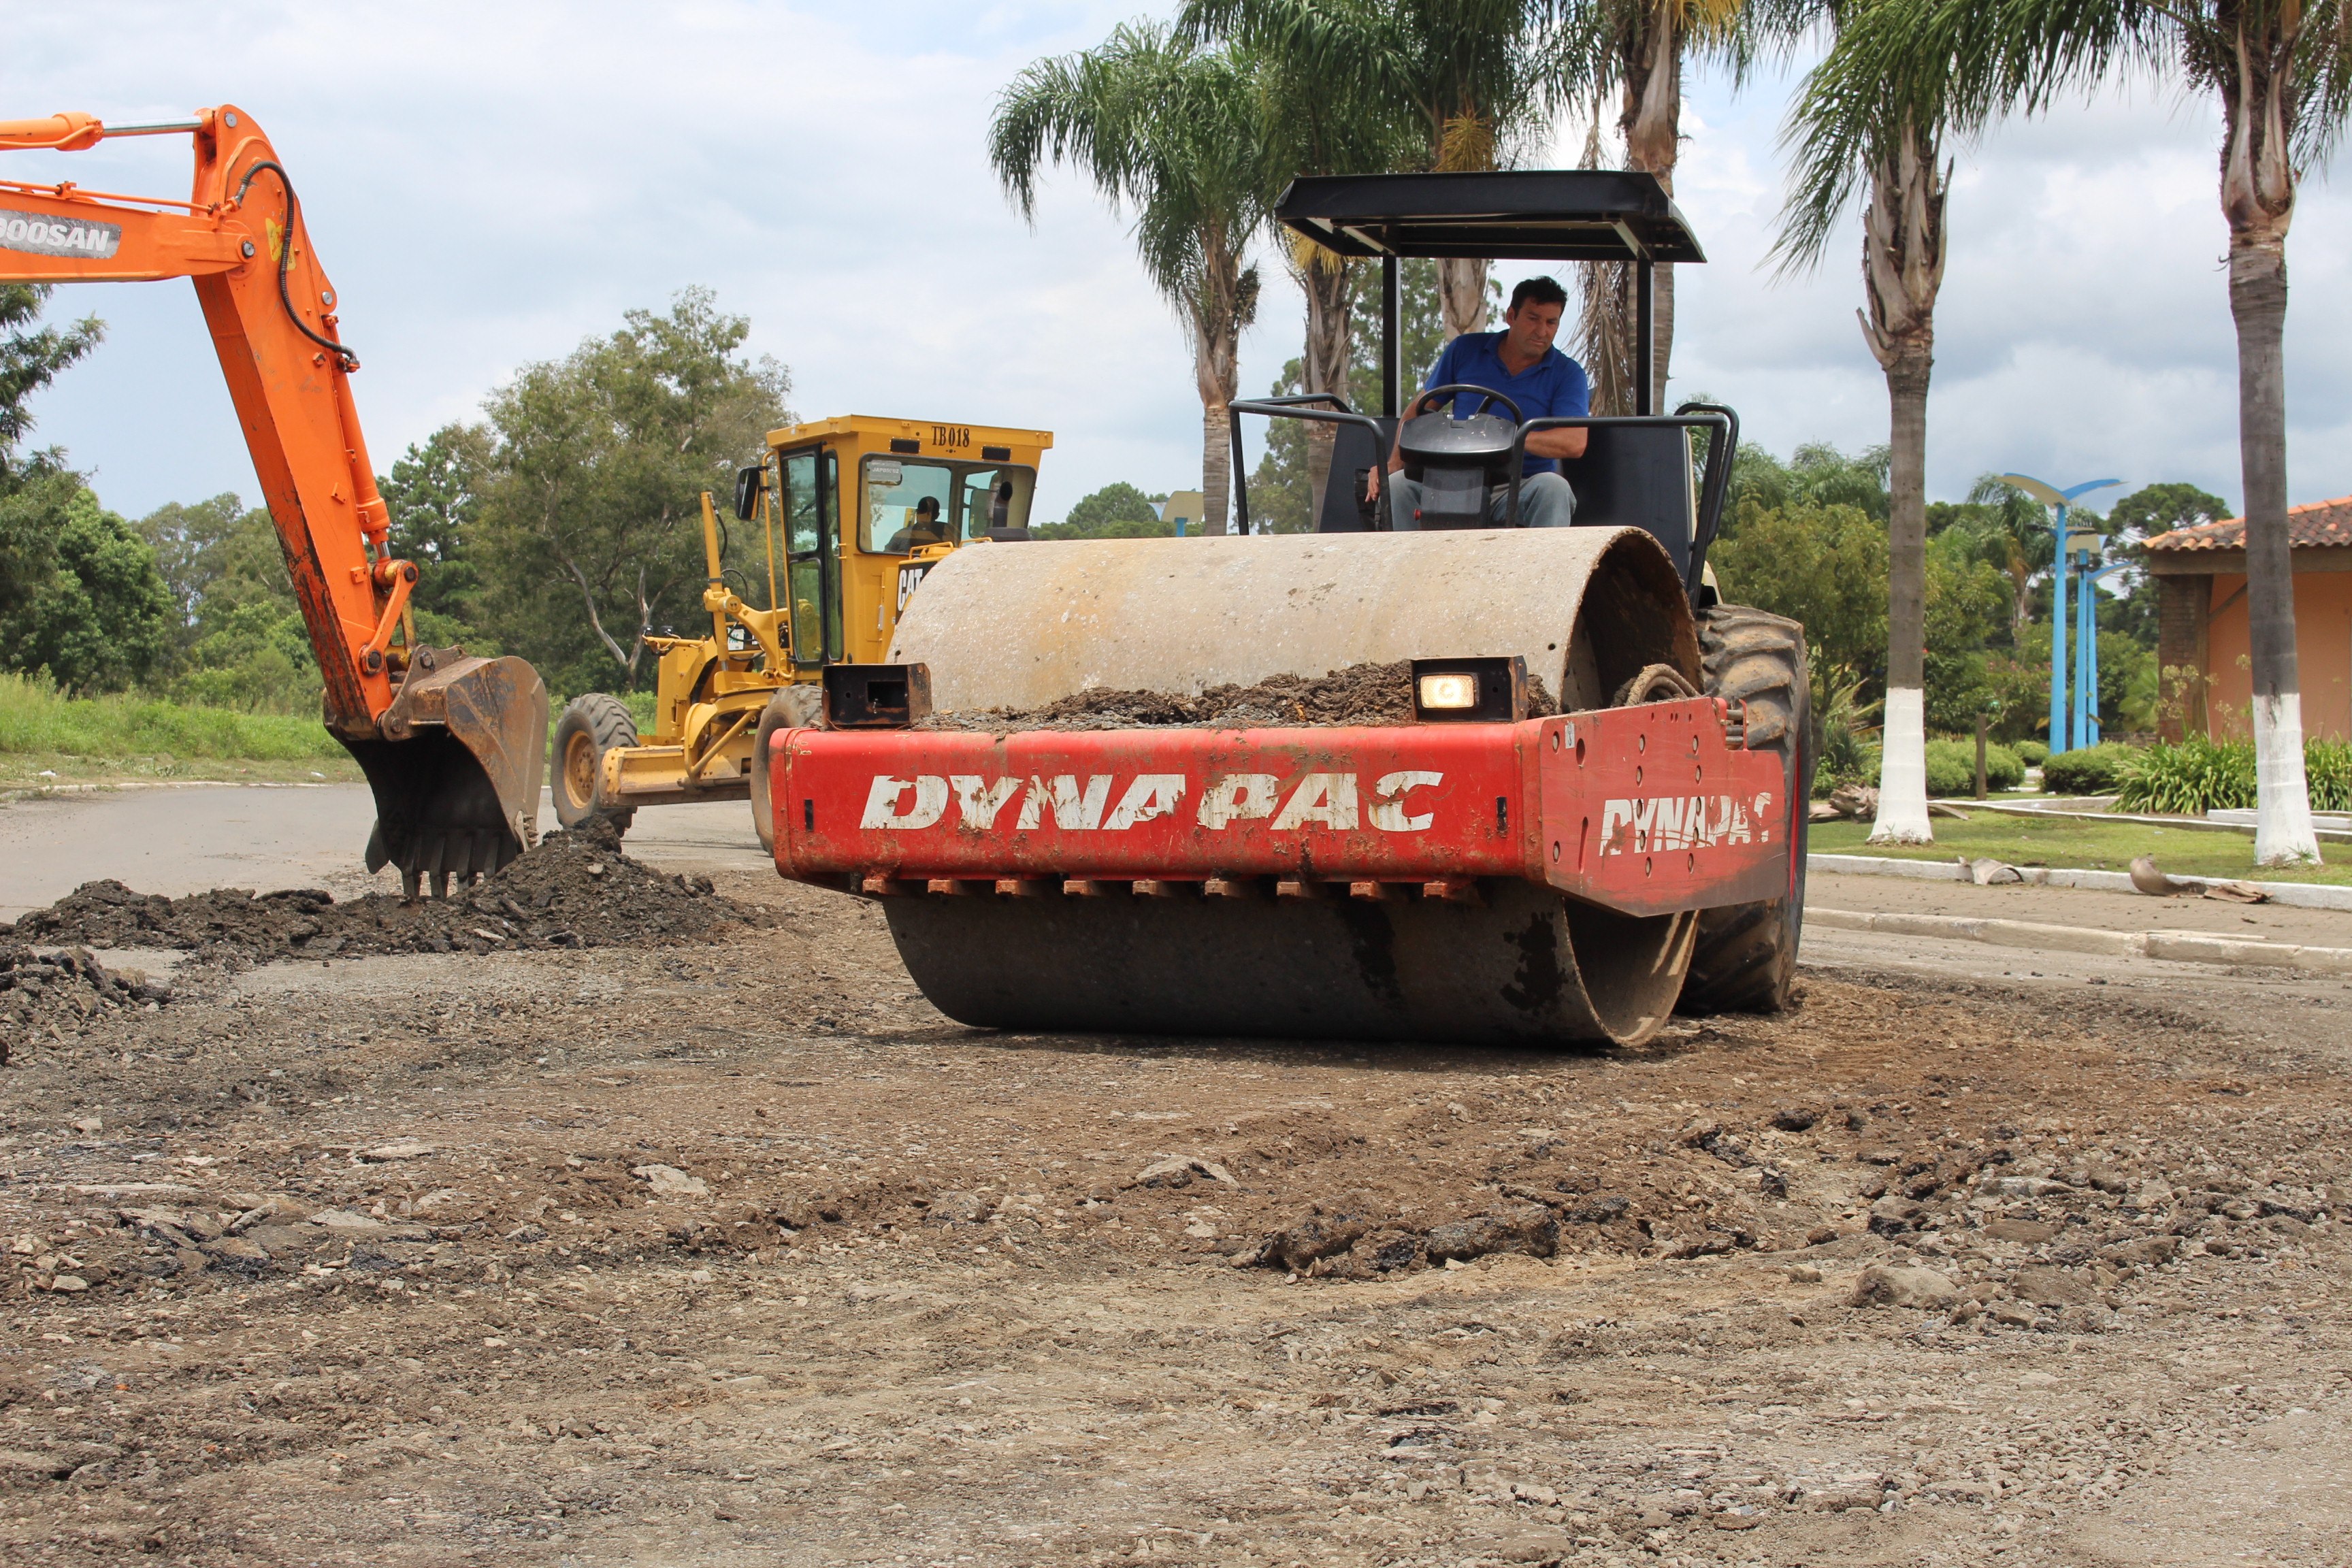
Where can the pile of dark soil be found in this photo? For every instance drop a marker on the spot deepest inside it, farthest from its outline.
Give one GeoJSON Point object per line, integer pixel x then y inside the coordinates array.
{"type": "Point", "coordinates": [63, 989]}
{"type": "Point", "coordinates": [1361, 694]}
{"type": "Point", "coordinates": [576, 890]}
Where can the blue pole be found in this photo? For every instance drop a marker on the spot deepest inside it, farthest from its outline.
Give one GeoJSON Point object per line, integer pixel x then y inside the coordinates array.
{"type": "Point", "coordinates": [2086, 656]}
{"type": "Point", "coordinates": [2058, 568]}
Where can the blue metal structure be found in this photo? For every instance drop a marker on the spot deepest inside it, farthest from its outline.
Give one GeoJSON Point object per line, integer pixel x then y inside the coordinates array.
{"type": "Point", "coordinates": [2061, 502]}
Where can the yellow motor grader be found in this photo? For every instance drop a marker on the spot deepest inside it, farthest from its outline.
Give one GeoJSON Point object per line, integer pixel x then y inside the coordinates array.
{"type": "Point", "coordinates": [914, 492]}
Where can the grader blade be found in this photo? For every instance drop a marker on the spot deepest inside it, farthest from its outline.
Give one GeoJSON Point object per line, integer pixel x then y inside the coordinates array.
{"type": "Point", "coordinates": [457, 769]}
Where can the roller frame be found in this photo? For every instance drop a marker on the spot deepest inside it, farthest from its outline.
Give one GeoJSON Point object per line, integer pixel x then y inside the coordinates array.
{"type": "Point", "coordinates": [1646, 810]}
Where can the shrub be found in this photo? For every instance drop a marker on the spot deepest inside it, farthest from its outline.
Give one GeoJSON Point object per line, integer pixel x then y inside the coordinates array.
{"type": "Point", "coordinates": [2032, 754]}
{"type": "Point", "coordinates": [2328, 764]}
{"type": "Point", "coordinates": [1952, 767]}
{"type": "Point", "coordinates": [2090, 770]}
{"type": "Point", "coordinates": [2200, 775]}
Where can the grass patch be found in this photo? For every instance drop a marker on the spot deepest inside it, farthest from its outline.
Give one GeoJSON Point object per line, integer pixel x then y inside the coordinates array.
{"type": "Point", "coordinates": [102, 738]}
{"type": "Point", "coordinates": [2083, 846]}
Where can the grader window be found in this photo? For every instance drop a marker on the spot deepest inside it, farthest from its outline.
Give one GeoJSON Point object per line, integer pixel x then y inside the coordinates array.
{"type": "Point", "coordinates": [963, 501]}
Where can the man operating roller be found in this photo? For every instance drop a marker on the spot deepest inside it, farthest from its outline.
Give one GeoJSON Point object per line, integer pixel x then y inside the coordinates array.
{"type": "Point", "coordinates": [1521, 363]}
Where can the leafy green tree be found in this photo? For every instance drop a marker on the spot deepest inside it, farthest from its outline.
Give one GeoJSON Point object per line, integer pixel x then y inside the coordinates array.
{"type": "Point", "coordinates": [1420, 330]}
{"type": "Point", "coordinates": [1171, 130]}
{"type": "Point", "coordinates": [1823, 564]}
{"type": "Point", "coordinates": [1282, 492]}
{"type": "Point", "coordinates": [1118, 510]}
{"type": "Point", "coordinates": [31, 358]}
{"type": "Point", "coordinates": [2281, 70]}
{"type": "Point", "coordinates": [588, 533]}
{"type": "Point", "coordinates": [80, 594]}
{"type": "Point", "coordinates": [434, 495]}
{"type": "Point", "coordinates": [190, 542]}
{"type": "Point", "coordinates": [1815, 475]}
{"type": "Point", "coordinates": [1966, 600]}
{"type": "Point", "coordinates": [2158, 508]}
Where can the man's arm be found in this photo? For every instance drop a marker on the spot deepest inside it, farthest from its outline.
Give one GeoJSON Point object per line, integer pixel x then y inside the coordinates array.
{"type": "Point", "coordinates": [1566, 443]}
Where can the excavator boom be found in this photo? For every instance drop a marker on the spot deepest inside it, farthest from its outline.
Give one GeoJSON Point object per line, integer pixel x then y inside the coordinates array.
{"type": "Point", "coordinates": [452, 746]}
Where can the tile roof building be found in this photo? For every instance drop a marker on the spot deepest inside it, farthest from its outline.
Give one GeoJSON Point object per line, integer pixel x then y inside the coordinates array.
{"type": "Point", "coordinates": [2202, 640]}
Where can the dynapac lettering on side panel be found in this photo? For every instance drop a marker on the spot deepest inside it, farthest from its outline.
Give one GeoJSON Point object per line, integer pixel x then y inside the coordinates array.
{"type": "Point", "coordinates": [1657, 824]}
{"type": "Point", "coordinates": [1071, 802]}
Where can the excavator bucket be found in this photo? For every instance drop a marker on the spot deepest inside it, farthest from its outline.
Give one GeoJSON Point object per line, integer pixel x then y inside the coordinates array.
{"type": "Point", "coordinates": [457, 769]}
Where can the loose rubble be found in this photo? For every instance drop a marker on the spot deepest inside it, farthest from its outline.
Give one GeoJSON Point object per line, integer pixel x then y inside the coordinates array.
{"type": "Point", "coordinates": [1361, 694]}
{"type": "Point", "coordinates": [684, 1251]}
{"type": "Point", "coordinates": [574, 889]}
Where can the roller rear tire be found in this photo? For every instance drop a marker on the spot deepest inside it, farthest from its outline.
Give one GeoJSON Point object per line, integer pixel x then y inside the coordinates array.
{"type": "Point", "coordinates": [1746, 956]}
{"type": "Point", "coordinates": [590, 727]}
{"type": "Point", "coordinates": [793, 708]}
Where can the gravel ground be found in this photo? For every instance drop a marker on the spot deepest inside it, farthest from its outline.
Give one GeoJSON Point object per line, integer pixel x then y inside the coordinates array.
{"type": "Point", "coordinates": [734, 1251]}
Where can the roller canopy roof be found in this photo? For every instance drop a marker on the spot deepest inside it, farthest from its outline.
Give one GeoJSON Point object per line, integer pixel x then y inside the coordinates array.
{"type": "Point", "coordinates": [1537, 214]}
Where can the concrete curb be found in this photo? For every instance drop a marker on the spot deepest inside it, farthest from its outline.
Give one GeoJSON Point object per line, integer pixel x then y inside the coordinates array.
{"type": "Point", "coordinates": [63, 790]}
{"type": "Point", "coordinates": [2180, 947]}
{"type": "Point", "coordinates": [2293, 895]}
{"type": "Point", "coordinates": [2187, 824]}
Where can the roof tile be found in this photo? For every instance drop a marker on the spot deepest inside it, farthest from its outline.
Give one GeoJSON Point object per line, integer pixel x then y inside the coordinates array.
{"type": "Point", "coordinates": [2322, 522]}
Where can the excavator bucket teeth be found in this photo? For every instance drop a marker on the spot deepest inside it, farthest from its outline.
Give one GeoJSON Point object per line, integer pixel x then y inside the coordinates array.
{"type": "Point", "coordinates": [456, 769]}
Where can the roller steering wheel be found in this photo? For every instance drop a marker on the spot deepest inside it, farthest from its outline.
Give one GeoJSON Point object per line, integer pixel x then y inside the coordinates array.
{"type": "Point", "coordinates": [1487, 397]}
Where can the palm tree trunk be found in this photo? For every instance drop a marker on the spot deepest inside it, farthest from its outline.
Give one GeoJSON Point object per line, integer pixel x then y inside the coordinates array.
{"type": "Point", "coordinates": [1902, 769]}
{"type": "Point", "coordinates": [2282, 833]}
{"type": "Point", "coordinates": [1327, 283]}
{"type": "Point", "coordinates": [1461, 298]}
{"type": "Point", "coordinates": [1214, 370]}
{"type": "Point", "coordinates": [1902, 268]}
{"type": "Point", "coordinates": [2258, 200]}
{"type": "Point", "coordinates": [1652, 123]}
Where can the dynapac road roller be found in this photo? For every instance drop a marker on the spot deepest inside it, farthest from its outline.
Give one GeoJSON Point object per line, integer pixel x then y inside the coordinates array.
{"type": "Point", "coordinates": [1487, 873]}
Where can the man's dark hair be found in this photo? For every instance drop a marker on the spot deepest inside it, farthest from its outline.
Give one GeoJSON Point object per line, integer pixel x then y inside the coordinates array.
{"type": "Point", "coordinates": [1542, 290]}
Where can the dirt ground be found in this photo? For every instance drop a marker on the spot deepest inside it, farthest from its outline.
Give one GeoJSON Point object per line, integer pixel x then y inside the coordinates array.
{"type": "Point", "coordinates": [732, 1250]}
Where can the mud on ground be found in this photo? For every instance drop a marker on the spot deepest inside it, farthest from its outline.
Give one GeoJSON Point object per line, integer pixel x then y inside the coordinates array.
{"type": "Point", "coordinates": [736, 1251]}
{"type": "Point", "coordinates": [1361, 694]}
{"type": "Point", "coordinates": [573, 889]}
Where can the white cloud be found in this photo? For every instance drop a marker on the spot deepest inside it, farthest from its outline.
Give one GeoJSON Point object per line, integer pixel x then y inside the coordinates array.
{"type": "Point", "coordinates": [491, 184]}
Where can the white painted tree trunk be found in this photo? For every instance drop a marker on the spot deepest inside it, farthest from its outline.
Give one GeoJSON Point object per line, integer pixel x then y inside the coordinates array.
{"type": "Point", "coordinates": [1902, 771]}
{"type": "Point", "coordinates": [2283, 835]}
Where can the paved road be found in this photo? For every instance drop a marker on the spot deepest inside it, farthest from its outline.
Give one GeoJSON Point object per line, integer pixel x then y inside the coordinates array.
{"type": "Point", "coordinates": [181, 841]}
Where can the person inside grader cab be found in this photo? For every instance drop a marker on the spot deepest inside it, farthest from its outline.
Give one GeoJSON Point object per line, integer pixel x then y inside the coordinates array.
{"type": "Point", "coordinates": [1521, 363]}
{"type": "Point", "coordinates": [923, 528]}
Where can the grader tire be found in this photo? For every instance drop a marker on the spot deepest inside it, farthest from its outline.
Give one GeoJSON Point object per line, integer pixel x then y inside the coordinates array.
{"type": "Point", "coordinates": [1746, 958]}
{"type": "Point", "coordinates": [793, 708]}
{"type": "Point", "coordinates": [590, 727]}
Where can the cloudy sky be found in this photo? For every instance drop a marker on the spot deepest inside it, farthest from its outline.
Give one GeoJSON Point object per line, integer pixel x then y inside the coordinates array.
{"type": "Point", "coordinates": [491, 184]}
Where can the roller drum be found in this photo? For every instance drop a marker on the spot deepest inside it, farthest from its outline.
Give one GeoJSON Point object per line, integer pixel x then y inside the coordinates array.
{"type": "Point", "coordinates": [1018, 626]}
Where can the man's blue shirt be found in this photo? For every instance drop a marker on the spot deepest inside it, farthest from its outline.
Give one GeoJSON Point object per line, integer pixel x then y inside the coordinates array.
{"type": "Point", "coordinates": [1554, 386]}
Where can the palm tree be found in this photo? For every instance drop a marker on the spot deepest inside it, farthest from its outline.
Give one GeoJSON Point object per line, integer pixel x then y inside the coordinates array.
{"type": "Point", "coordinates": [1850, 143]}
{"type": "Point", "coordinates": [2015, 536]}
{"type": "Point", "coordinates": [2283, 71]}
{"type": "Point", "coordinates": [1466, 81]}
{"type": "Point", "coordinates": [1170, 129]}
{"type": "Point", "coordinates": [1636, 49]}
{"type": "Point", "coordinates": [1308, 128]}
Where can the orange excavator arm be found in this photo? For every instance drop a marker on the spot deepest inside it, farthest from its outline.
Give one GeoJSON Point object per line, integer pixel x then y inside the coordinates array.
{"type": "Point", "coordinates": [454, 747]}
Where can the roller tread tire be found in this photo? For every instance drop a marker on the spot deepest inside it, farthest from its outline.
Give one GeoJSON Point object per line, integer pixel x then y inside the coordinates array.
{"type": "Point", "coordinates": [1745, 957]}
{"type": "Point", "coordinates": [604, 722]}
{"type": "Point", "coordinates": [793, 708]}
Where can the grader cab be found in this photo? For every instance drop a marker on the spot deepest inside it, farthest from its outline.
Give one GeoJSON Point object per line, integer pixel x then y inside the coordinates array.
{"type": "Point", "coordinates": [912, 493]}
